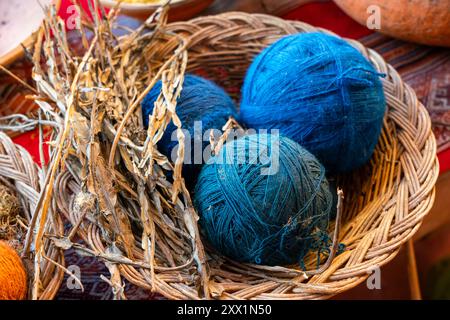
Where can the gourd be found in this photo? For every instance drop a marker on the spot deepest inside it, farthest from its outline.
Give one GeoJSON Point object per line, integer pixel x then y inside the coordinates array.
{"type": "Point", "coordinates": [421, 21]}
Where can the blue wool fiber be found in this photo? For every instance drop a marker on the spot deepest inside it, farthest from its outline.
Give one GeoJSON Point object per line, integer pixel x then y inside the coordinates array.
{"type": "Point", "coordinates": [321, 92]}
{"type": "Point", "coordinates": [254, 208]}
{"type": "Point", "coordinates": [200, 100]}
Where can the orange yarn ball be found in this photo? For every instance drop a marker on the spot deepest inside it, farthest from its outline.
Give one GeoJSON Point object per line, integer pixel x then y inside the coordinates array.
{"type": "Point", "coordinates": [13, 279]}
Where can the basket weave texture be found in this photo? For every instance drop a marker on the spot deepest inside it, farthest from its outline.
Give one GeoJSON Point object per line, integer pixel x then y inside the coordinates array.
{"type": "Point", "coordinates": [385, 202]}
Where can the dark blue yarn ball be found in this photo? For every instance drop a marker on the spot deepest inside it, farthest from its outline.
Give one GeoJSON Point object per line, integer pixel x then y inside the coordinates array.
{"type": "Point", "coordinates": [265, 200]}
{"type": "Point", "coordinates": [321, 92]}
{"type": "Point", "coordinates": [200, 100]}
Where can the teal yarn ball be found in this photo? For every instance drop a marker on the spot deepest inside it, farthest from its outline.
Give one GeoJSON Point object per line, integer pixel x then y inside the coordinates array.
{"type": "Point", "coordinates": [201, 101]}
{"type": "Point", "coordinates": [264, 199]}
{"type": "Point", "coordinates": [321, 92]}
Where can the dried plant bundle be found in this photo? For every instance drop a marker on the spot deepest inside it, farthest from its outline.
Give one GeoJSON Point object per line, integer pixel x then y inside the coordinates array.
{"type": "Point", "coordinates": [105, 173]}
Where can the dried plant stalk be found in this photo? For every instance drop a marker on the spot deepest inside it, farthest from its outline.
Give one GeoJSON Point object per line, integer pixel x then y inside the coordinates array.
{"type": "Point", "coordinates": [123, 207]}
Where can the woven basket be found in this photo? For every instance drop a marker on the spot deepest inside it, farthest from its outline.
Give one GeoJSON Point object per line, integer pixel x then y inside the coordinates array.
{"type": "Point", "coordinates": [385, 202]}
{"type": "Point", "coordinates": [20, 173]}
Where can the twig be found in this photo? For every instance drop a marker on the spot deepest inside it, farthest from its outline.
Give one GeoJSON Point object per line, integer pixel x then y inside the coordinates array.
{"type": "Point", "coordinates": [135, 104]}
{"type": "Point", "coordinates": [335, 245]}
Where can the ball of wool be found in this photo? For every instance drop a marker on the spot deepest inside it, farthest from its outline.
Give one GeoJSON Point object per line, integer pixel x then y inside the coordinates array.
{"type": "Point", "coordinates": [263, 199]}
{"type": "Point", "coordinates": [13, 279]}
{"type": "Point", "coordinates": [321, 92]}
{"type": "Point", "coordinates": [202, 106]}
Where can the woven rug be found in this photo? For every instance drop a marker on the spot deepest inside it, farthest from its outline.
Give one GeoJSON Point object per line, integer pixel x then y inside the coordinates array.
{"type": "Point", "coordinates": [426, 69]}
{"type": "Point", "coordinates": [94, 288]}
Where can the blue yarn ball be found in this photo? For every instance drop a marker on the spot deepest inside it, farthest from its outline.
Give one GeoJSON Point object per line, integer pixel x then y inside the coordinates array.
{"type": "Point", "coordinates": [321, 92]}
{"type": "Point", "coordinates": [200, 100]}
{"type": "Point", "coordinates": [264, 199]}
